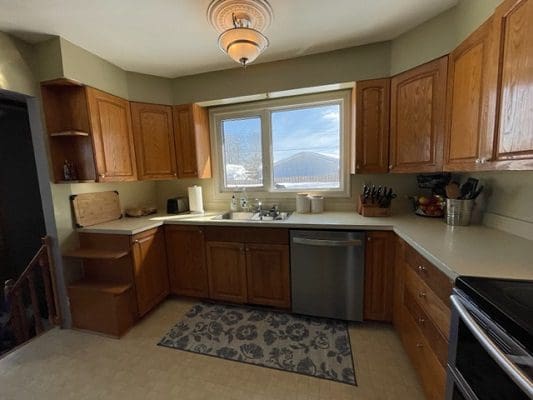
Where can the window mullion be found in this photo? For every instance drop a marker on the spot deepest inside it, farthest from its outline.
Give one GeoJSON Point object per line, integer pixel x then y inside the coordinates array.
{"type": "Point", "coordinates": [266, 133]}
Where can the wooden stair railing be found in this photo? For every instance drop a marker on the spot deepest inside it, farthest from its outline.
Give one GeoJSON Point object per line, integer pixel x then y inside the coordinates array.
{"type": "Point", "coordinates": [15, 293]}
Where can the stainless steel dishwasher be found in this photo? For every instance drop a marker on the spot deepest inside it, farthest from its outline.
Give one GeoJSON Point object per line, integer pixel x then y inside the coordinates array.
{"type": "Point", "coordinates": [327, 271]}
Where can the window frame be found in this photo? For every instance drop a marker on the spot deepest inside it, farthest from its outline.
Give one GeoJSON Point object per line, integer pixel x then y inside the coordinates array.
{"type": "Point", "coordinates": [264, 109]}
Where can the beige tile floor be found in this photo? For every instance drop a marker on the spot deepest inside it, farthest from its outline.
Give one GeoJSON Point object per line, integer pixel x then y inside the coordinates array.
{"type": "Point", "coordinates": [68, 364]}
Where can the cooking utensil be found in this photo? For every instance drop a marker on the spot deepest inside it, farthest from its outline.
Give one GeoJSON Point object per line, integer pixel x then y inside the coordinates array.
{"type": "Point", "coordinates": [452, 190]}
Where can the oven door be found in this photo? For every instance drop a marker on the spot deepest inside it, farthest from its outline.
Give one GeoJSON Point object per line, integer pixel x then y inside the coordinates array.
{"type": "Point", "coordinates": [484, 363]}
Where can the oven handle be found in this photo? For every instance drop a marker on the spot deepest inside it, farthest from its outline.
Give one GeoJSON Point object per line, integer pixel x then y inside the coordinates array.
{"type": "Point", "coordinates": [523, 382]}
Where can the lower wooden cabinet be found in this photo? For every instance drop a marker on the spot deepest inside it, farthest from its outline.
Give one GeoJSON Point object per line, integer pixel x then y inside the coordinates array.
{"type": "Point", "coordinates": [149, 269]}
{"type": "Point", "coordinates": [187, 267]}
{"type": "Point", "coordinates": [422, 317]}
{"type": "Point", "coordinates": [226, 263]}
{"type": "Point", "coordinates": [379, 275]}
{"type": "Point", "coordinates": [267, 267]}
{"type": "Point", "coordinates": [249, 265]}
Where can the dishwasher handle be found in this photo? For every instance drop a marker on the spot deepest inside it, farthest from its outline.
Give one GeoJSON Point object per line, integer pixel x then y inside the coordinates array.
{"type": "Point", "coordinates": [327, 243]}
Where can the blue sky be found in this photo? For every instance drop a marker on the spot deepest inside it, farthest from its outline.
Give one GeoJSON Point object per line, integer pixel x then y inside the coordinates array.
{"type": "Point", "coordinates": [308, 129]}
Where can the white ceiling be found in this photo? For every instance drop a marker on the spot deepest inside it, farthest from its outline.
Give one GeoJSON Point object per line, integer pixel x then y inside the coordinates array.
{"type": "Point", "coordinates": [173, 37]}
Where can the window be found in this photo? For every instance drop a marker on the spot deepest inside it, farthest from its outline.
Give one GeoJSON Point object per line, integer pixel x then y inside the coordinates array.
{"type": "Point", "coordinates": [283, 145]}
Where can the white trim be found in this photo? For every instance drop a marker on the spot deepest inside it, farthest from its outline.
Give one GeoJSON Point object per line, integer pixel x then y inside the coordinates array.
{"type": "Point", "coordinates": [264, 109]}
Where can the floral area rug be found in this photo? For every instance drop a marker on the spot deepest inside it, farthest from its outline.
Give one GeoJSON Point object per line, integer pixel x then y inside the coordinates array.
{"type": "Point", "coordinates": [309, 346]}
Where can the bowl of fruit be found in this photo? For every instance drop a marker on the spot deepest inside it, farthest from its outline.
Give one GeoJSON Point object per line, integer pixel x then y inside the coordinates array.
{"type": "Point", "coordinates": [429, 206]}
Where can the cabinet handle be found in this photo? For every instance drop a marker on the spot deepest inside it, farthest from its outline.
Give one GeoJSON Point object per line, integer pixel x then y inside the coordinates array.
{"type": "Point", "coordinates": [390, 166]}
{"type": "Point", "coordinates": [421, 268]}
{"type": "Point", "coordinates": [422, 294]}
{"type": "Point", "coordinates": [419, 345]}
{"type": "Point", "coordinates": [421, 321]}
{"type": "Point", "coordinates": [369, 239]}
{"type": "Point", "coordinates": [478, 161]}
{"type": "Point", "coordinates": [102, 175]}
{"type": "Point", "coordinates": [136, 241]}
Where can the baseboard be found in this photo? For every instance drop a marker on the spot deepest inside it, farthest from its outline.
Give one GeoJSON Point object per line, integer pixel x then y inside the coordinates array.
{"type": "Point", "coordinates": [515, 226]}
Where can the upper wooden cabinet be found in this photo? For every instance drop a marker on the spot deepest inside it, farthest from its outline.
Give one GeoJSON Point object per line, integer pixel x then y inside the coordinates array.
{"type": "Point", "coordinates": [153, 132]}
{"type": "Point", "coordinates": [511, 81]}
{"type": "Point", "coordinates": [372, 126]}
{"type": "Point", "coordinates": [418, 98]}
{"type": "Point", "coordinates": [470, 122]}
{"type": "Point", "coordinates": [112, 135]}
{"type": "Point", "coordinates": [193, 151]}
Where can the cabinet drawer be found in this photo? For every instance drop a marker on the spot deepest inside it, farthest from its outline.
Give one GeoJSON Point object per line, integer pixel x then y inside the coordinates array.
{"type": "Point", "coordinates": [435, 279]}
{"type": "Point", "coordinates": [247, 235]}
{"type": "Point", "coordinates": [438, 344]}
{"type": "Point", "coordinates": [432, 374]}
{"type": "Point", "coordinates": [432, 305]}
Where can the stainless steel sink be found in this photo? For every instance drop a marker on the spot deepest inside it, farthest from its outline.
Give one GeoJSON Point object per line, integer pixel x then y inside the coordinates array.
{"type": "Point", "coordinates": [253, 216]}
{"type": "Point", "coordinates": [235, 215]}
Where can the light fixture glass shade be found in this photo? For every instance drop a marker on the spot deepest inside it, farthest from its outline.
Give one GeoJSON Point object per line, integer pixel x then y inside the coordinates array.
{"type": "Point", "coordinates": [244, 45]}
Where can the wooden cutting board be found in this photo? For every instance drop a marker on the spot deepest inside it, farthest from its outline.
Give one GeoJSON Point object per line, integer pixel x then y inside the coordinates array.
{"type": "Point", "coordinates": [95, 208]}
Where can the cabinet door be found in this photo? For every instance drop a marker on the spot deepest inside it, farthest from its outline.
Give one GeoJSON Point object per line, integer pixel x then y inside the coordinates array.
{"type": "Point", "coordinates": [418, 98]}
{"type": "Point", "coordinates": [226, 265]}
{"type": "Point", "coordinates": [372, 126]}
{"type": "Point", "coordinates": [512, 82]}
{"type": "Point", "coordinates": [470, 123]}
{"type": "Point", "coordinates": [379, 275]}
{"type": "Point", "coordinates": [114, 154]}
{"type": "Point", "coordinates": [186, 261]}
{"type": "Point", "coordinates": [153, 132]}
{"type": "Point", "coordinates": [267, 267]}
{"type": "Point", "coordinates": [398, 286]}
{"type": "Point", "coordinates": [150, 269]}
{"type": "Point", "coordinates": [191, 129]}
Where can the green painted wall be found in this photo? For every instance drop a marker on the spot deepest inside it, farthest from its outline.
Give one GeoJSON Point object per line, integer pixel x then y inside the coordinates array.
{"type": "Point", "coordinates": [17, 66]}
{"type": "Point", "coordinates": [355, 63]}
{"type": "Point", "coordinates": [438, 36]}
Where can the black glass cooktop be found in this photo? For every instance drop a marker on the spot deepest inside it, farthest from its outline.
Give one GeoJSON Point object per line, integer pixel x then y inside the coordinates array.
{"type": "Point", "coordinates": [508, 302]}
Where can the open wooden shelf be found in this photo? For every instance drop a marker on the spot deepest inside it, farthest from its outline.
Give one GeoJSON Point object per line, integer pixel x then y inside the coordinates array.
{"type": "Point", "coordinates": [96, 254]}
{"type": "Point", "coordinates": [77, 181]}
{"type": "Point", "coordinates": [99, 286]}
{"type": "Point", "coordinates": [69, 133]}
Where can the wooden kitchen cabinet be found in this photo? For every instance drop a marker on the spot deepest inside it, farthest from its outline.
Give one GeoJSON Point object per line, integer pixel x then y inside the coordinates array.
{"type": "Point", "coordinates": [69, 131]}
{"type": "Point", "coordinates": [372, 126]}
{"type": "Point", "coordinates": [193, 150]}
{"type": "Point", "coordinates": [422, 316]}
{"type": "Point", "coordinates": [249, 265]}
{"type": "Point", "coordinates": [186, 261]}
{"type": "Point", "coordinates": [226, 265]}
{"type": "Point", "coordinates": [149, 269]}
{"type": "Point", "coordinates": [511, 82]}
{"type": "Point", "coordinates": [153, 133]}
{"type": "Point", "coordinates": [470, 108]}
{"type": "Point", "coordinates": [114, 153]}
{"type": "Point", "coordinates": [379, 276]}
{"type": "Point", "coordinates": [417, 120]}
{"type": "Point", "coordinates": [268, 274]}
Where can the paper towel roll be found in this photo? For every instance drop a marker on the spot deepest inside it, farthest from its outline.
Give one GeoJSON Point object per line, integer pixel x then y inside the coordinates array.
{"type": "Point", "coordinates": [196, 204]}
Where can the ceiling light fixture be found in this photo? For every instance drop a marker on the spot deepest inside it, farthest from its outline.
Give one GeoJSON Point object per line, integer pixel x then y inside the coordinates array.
{"type": "Point", "coordinates": [240, 23]}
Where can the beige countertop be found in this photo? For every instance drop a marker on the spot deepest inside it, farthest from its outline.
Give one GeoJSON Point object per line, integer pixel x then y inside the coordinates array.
{"type": "Point", "coordinates": [472, 250]}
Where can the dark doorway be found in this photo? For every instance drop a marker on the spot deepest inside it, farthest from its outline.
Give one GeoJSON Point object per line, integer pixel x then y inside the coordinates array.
{"type": "Point", "coordinates": [21, 215]}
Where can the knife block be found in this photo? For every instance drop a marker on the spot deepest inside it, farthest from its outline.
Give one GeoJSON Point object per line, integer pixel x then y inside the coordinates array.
{"type": "Point", "coordinates": [370, 209]}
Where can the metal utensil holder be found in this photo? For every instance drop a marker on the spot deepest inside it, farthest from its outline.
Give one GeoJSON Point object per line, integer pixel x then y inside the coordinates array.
{"type": "Point", "coordinates": [459, 212]}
